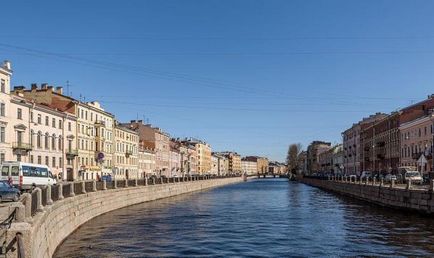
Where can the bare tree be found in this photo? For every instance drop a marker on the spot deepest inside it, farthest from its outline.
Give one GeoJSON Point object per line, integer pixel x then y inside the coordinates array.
{"type": "Point", "coordinates": [292, 157]}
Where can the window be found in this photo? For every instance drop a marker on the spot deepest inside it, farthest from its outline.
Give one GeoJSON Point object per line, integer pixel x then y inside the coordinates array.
{"type": "Point", "coordinates": [60, 142]}
{"type": "Point", "coordinates": [31, 137]}
{"type": "Point", "coordinates": [47, 121]}
{"type": "Point", "coordinates": [2, 157]}
{"type": "Point", "coordinates": [39, 140]}
{"type": "Point", "coordinates": [54, 161]}
{"type": "Point", "coordinates": [47, 161]}
{"type": "Point", "coordinates": [3, 85]}
{"type": "Point", "coordinates": [2, 109]}
{"type": "Point", "coordinates": [53, 142]}
{"type": "Point", "coordinates": [31, 116]}
{"type": "Point", "coordinates": [60, 124]}
{"type": "Point", "coordinates": [19, 113]}
{"type": "Point", "coordinates": [53, 122]}
{"type": "Point", "coordinates": [39, 119]}
{"type": "Point", "coordinates": [39, 159]}
{"type": "Point", "coordinates": [31, 158]}
{"type": "Point", "coordinates": [47, 146]}
{"type": "Point", "coordinates": [2, 134]}
{"type": "Point", "coordinates": [18, 157]}
{"type": "Point", "coordinates": [69, 126]}
{"type": "Point", "coordinates": [5, 170]}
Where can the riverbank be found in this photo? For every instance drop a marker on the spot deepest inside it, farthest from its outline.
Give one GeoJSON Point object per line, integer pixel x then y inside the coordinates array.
{"type": "Point", "coordinates": [408, 199]}
{"type": "Point", "coordinates": [46, 230]}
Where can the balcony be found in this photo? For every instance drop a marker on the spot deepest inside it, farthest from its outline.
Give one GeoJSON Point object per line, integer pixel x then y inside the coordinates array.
{"type": "Point", "coordinates": [128, 153]}
{"type": "Point", "coordinates": [100, 123]}
{"type": "Point", "coordinates": [71, 154]}
{"type": "Point", "coordinates": [21, 146]}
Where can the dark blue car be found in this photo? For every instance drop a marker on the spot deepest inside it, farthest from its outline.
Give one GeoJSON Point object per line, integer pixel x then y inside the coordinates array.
{"type": "Point", "coordinates": [8, 192]}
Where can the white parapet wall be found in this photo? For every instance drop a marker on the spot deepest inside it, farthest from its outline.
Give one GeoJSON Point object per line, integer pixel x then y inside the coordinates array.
{"type": "Point", "coordinates": [47, 229]}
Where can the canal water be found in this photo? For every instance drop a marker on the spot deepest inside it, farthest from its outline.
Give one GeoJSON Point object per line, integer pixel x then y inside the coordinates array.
{"type": "Point", "coordinates": [258, 218]}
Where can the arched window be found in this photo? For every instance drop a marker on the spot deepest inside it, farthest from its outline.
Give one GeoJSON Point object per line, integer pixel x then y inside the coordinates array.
{"type": "Point", "coordinates": [47, 141]}
{"type": "Point", "coordinates": [39, 140]}
{"type": "Point", "coordinates": [53, 142]}
{"type": "Point", "coordinates": [60, 142]}
{"type": "Point", "coordinates": [31, 137]}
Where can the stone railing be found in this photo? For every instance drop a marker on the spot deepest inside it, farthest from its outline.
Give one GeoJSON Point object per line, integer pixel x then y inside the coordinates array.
{"type": "Point", "coordinates": [47, 215]}
{"type": "Point", "coordinates": [404, 196]}
{"type": "Point", "coordinates": [42, 196]}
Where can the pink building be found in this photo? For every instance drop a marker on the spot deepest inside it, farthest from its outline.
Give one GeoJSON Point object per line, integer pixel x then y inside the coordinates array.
{"type": "Point", "coordinates": [416, 130]}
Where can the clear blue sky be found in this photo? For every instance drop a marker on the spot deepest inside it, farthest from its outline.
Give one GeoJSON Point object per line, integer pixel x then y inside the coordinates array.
{"type": "Point", "coordinates": [249, 76]}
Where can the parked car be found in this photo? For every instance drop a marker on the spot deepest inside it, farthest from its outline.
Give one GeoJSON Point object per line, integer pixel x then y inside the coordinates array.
{"type": "Point", "coordinates": [8, 192]}
{"type": "Point", "coordinates": [390, 177]}
{"type": "Point", "coordinates": [415, 177]}
{"type": "Point", "coordinates": [26, 175]}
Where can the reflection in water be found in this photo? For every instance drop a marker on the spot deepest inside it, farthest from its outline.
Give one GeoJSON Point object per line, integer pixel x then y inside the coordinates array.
{"type": "Point", "coordinates": [260, 218]}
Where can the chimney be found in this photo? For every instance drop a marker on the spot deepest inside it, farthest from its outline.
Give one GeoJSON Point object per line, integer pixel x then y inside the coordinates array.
{"type": "Point", "coordinates": [44, 86]}
{"type": "Point", "coordinates": [140, 121]}
{"type": "Point", "coordinates": [34, 86]}
{"type": "Point", "coordinates": [50, 88]}
{"type": "Point", "coordinates": [19, 88]}
{"type": "Point", "coordinates": [59, 90]}
{"type": "Point", "coordinates": [7, 65]}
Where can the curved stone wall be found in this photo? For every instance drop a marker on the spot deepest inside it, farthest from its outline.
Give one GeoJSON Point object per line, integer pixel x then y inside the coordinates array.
{"type": "Point", "coordinates": [50, 227]}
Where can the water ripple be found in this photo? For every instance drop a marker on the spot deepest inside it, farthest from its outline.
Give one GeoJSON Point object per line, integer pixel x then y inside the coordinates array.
{"type": "Point", "coordinates": [261, 218]}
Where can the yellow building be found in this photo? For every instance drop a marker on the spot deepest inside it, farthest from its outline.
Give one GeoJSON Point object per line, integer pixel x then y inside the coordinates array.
{"type": "Point", "coordinates": [203, 157]}
{"type": "Point", "coordinates": [126, 153]}
{"type": "Point", "coordinates": [94, 140]}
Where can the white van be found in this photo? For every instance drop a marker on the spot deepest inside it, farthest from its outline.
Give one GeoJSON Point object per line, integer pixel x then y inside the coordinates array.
{"type": "Point", "coordinates": [25, 175]}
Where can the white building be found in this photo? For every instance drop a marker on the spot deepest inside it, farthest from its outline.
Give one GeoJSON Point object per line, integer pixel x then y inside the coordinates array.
{"type": "Point", "coordinates": [249, 167]}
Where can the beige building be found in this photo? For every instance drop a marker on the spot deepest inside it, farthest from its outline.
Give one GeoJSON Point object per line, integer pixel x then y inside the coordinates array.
{"type": "Point", "coordinates": [126, 153]}
{"type": "Point", "coordinates": [249, 167]}
{"type": "Point", "coordinates": [203, 155]}
{"type": "Point", "coordinates": [35, 133]}
{"type": "Point", "coordinates": [94, 140]}
{"type": "Point", "coordinates": [175, 159]}
{"type": "Point", "coordinates": [262, 163]}
{"type": "Point", "coordinates": [146, 162]}
{"type": "Point", "coordinates": [234, 161]}
{"type": "Point", "coordinates": [155, 139]}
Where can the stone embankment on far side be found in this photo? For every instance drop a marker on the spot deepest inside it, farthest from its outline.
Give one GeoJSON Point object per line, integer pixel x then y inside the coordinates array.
{"type": "Point", "coordinates": [404, 197]}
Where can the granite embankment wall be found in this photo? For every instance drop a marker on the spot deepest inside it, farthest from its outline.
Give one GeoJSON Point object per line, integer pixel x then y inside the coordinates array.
{"type": "Point", "coordinates": [388, 195]}
{"type": "Point", "coordinates": [45, 230]}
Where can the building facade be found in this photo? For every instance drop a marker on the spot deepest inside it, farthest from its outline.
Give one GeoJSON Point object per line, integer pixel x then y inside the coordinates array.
{"type": "Point", "coordinates": [126, 153]}
{"type": "Point", "coordinates": [146, 162]}
{"type": "Point", "coordinates": [313, 151]}
{"type": "Point", "coordinates": [381, 145]}
{"type": "Point", "coordinates": [249, 167]}
{"type": "Point", "coordinates": [416, 135]}
{"type": "Point", "coordinates": [352, 148]}
{"type": "Point", "coordinates": [157, 140]}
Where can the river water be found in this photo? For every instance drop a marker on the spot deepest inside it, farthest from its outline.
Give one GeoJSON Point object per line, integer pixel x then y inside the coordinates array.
{"type": "Point", "coordinates": [258, 218]}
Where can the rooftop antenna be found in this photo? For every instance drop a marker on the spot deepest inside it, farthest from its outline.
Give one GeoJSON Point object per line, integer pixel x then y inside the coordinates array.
{"type": "Point", "coordinates": [67, 88]}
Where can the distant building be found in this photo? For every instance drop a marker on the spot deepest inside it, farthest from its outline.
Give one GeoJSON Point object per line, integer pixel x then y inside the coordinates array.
{"type": "Point", "coordinates": [203, 154]}
{"type": "Point", "coordinates": [313, 151]}
{"type": "Point", "coordinates": [234, 160]}
{"type": "Point", "coordinates": [146, 162]}
{"type": "Point", "coordinates": [155, 139]}
{"type": "Point", "coordinates": [416, 135]}
{"type": "Point", "coordinates": [261, 163]}
{"type": "Point", "coordinates": [381, 145]}
{"type": "Point", "coordinates": [352, 147]}
{"type": "Point", "coordinates": [249, 167]}
{"type": "Point", "coordinates": [126, 153]}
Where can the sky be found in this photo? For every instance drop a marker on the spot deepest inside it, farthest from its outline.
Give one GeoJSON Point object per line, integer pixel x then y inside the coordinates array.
{"type": "Point", "coordinates": [247, 76]}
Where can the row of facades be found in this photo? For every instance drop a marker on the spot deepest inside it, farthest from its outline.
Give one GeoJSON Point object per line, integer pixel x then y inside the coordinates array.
{"type": "Point", "coordinates": [81, 140]}
{"type": "Point", "coordinates": [380, 143]}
